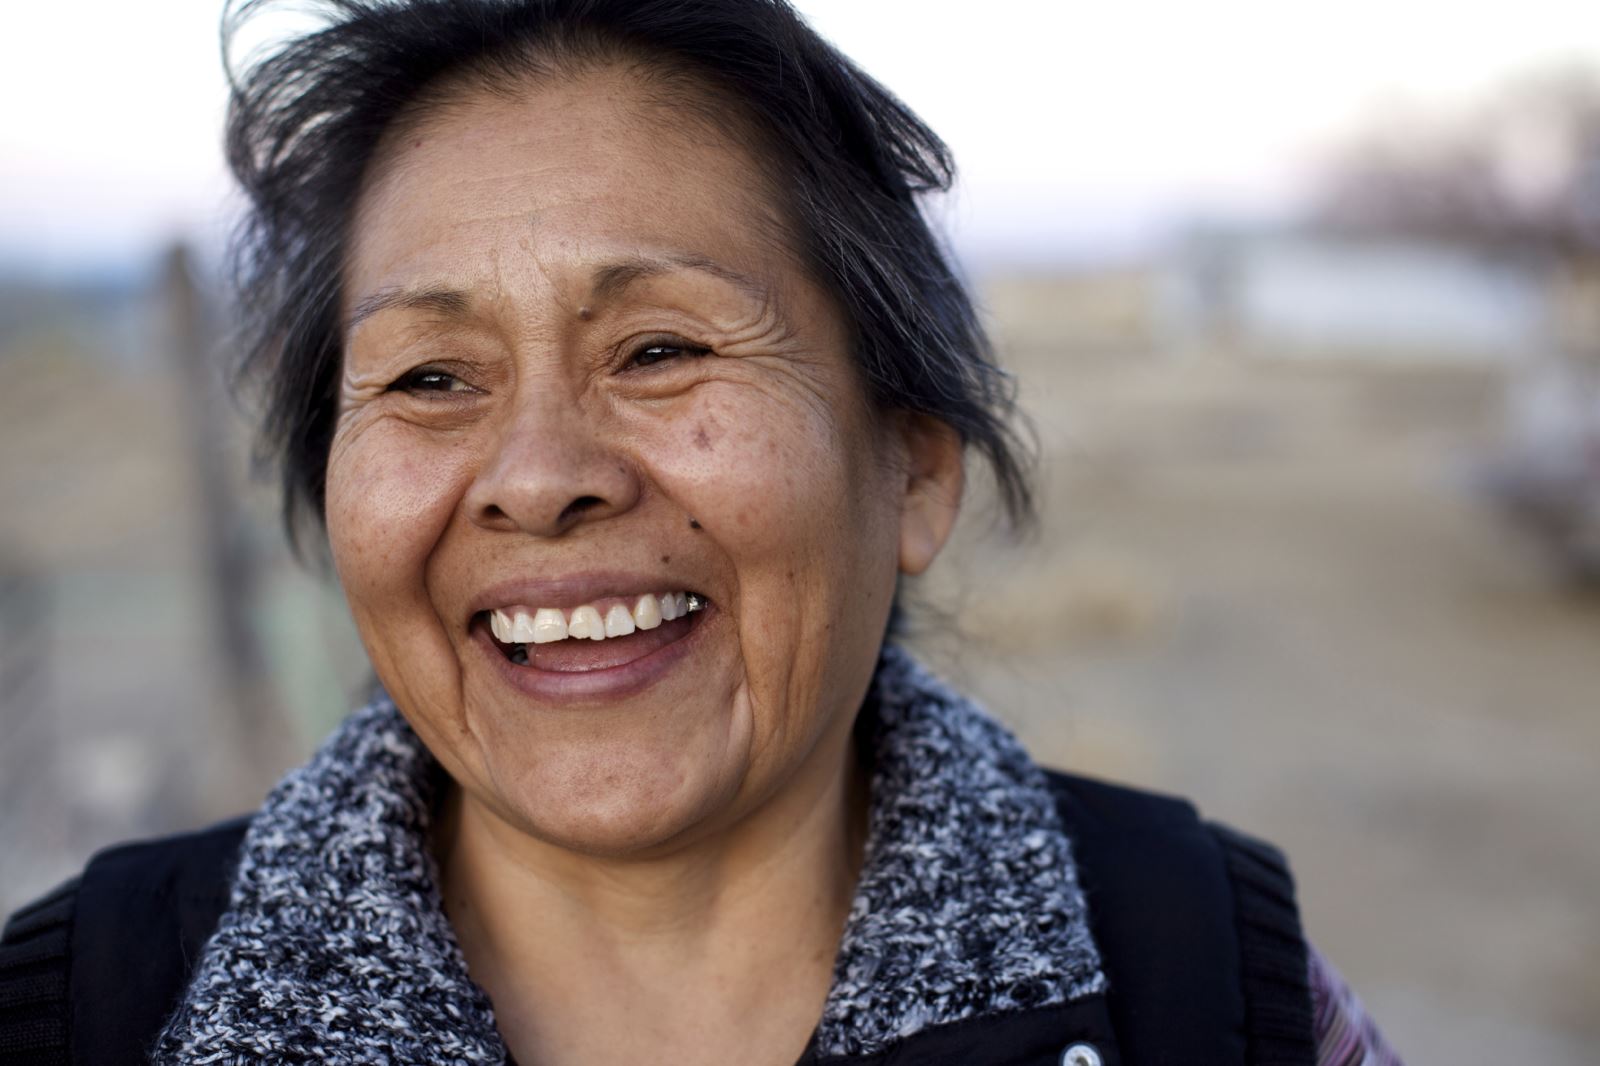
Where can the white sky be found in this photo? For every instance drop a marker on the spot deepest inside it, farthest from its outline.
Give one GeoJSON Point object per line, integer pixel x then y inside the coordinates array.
{"type": "Point", "coordinates": [1078, 125]}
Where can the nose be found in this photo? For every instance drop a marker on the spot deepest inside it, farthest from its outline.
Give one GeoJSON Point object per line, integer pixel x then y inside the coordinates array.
{"type": "Point", "coordinates": [551, 469]}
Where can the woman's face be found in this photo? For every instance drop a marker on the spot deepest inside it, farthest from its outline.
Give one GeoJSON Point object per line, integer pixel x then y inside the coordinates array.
{"type": "Point", "coordinates": [581, 371]}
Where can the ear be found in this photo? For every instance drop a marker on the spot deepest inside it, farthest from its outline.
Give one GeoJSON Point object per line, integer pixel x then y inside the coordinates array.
{"type": "Point", "coordinates": [934, 478]}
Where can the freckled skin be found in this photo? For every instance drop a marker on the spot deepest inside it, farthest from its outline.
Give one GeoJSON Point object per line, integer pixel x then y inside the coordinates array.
{"type": "Point", "coordinates": [758, 465]}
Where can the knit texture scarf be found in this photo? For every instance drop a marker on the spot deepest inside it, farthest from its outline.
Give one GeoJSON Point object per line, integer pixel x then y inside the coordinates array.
{"type": "Point", "coordinates": [335, 946]}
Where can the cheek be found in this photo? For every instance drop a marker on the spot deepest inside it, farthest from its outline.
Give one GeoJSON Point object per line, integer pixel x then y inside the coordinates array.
{"type": "Point", "coordinates": [389, 498]}
{"type": "Point", "coordinates": [757, 474]}
{"type": "Point", "coordinates": [796, 500]}
{"type": "Point", "coordinates": [791, 492]}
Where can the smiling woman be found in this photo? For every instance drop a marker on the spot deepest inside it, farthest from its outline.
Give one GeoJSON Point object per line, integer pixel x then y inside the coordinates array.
{"type": "Point", "coordinates": [607, 346]}
{"type": "Point", "coordinates": [627, 345]}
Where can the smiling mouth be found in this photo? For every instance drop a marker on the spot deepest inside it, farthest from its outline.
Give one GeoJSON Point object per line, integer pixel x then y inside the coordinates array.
{"type": "Point", "coordinates": [592, 637]}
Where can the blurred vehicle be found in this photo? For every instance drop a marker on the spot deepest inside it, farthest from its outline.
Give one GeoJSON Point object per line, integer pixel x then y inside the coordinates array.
{"type": "Point", "coordinates": [1548, 478]}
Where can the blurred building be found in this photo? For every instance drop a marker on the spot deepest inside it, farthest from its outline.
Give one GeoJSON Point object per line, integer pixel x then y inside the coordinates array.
{"type": "Point", "coordinates": [1303, 294]}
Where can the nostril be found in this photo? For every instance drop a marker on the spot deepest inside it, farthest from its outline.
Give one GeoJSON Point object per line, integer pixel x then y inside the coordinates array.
{"type": "Point", "coordinates": [578, 506]}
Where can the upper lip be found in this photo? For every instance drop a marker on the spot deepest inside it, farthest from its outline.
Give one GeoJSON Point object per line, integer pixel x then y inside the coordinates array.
{"type": "Point", "coordinates": [573, 590]}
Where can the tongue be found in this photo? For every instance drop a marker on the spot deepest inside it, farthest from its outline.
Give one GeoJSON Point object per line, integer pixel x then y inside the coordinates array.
{"type": "Point", "coordinates": [578, 654]}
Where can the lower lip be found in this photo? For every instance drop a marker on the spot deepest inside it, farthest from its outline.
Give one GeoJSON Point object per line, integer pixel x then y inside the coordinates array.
{"type": "Point", "coordinates": [594, 686]}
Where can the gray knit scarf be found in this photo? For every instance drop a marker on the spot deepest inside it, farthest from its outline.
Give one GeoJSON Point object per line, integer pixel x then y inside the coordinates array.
{"type": "Point", "coordinates": [335, 947]}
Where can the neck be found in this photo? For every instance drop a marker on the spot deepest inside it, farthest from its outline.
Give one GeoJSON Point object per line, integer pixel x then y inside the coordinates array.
{"type": "Point", "coordinates": [699, 952]}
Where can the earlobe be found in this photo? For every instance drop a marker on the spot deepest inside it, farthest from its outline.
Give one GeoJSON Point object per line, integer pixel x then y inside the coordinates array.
{"type": "Point", "coordinates": [935, 477]}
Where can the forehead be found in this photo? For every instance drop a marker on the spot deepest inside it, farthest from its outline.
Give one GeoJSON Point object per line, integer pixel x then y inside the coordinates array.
{"type": "Point", "coordinates": [500, 189]}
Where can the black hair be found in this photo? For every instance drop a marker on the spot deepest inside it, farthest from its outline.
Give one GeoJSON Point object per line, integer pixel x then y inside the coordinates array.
{"type": "Point", "coordinates": [306, 118]}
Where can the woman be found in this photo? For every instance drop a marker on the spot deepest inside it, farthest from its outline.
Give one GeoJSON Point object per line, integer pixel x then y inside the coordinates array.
{"type": "Point", "coordinates": [607, 344]}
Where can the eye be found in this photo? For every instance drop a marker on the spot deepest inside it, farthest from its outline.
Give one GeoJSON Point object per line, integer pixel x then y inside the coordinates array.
{"type": "Point", "coordinates": [661, 350]}
{"type": "Point", "coordinates": [428, 379]}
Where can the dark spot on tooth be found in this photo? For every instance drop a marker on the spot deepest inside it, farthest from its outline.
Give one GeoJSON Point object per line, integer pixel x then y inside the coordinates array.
{"type": "Point", "coordinates": [694, 525]}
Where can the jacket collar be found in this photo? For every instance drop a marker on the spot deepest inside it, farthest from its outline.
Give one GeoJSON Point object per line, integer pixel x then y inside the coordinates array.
{"type": "Point", "coordinates": [968, 902]}
{"type": "Point", "coordinates": [335, 945]}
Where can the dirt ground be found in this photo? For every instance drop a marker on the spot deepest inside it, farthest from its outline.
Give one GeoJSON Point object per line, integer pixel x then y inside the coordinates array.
{"type": "Point", "coordinates": [1273, 588]}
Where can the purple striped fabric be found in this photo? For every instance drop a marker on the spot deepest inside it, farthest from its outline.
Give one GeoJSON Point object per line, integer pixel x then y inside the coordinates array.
{"type": "Point", "coordinates": [1346, 1035]}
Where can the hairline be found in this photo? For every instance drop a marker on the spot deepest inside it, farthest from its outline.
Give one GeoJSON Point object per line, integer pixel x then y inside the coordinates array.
{"type": "Point", "coordinates": [687, 95]}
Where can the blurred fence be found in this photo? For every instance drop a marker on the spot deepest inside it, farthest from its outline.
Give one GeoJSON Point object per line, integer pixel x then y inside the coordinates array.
{"type": "Point", "coordinates": [25, 707]}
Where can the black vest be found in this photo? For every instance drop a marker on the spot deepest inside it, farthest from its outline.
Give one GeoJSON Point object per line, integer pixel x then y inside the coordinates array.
{"type": "Point", "coordinates": [1196, 924]}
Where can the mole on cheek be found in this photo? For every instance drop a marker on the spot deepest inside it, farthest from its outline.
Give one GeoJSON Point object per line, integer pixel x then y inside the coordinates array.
{"type": "Point", "coordinates": [702, 439]}
{"type": "Point", "coordinates": [585, 313]}
{"type": "Point", "coordinates": [695, 525]}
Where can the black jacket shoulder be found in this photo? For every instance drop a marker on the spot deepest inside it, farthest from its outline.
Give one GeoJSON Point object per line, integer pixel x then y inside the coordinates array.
{"type": "Point", "coordinates": [1197, 926]}
{"type": "Point", "coordinates": [123, 936]}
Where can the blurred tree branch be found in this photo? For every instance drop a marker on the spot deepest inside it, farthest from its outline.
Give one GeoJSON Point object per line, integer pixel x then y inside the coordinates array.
{"type": "Point", "coordinates": [1519, 174]}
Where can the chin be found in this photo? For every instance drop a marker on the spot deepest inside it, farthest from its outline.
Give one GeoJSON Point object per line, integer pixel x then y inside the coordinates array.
{"type": "Point", "coordinates": [613, 804]}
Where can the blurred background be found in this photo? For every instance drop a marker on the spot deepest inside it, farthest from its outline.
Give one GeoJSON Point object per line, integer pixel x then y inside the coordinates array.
{"type": "Point", "coordinates": [1304, 302]}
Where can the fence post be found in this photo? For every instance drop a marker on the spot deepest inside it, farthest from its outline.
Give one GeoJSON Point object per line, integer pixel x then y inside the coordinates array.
{"type": "Point", "coordinates": [230, 574]}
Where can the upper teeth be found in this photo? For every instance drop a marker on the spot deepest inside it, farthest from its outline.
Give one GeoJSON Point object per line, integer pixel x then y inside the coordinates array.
{"type": "Point", "coordinates": [519, 625]}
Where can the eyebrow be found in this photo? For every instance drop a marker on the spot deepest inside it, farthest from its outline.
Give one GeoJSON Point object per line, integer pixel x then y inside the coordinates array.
{"type": "Point", "coordinates": [450, 302]}
{"type": "Point", "coordinates": [613, 278]}
{"type": "Point", "coordinates": [610, 281]}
